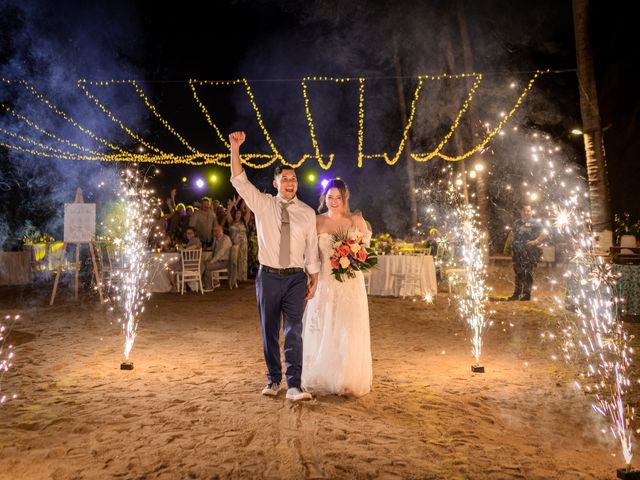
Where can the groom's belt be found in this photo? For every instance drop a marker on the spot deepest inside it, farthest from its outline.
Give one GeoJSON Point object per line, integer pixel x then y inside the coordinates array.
{"type": "Point", "coordinates": [281, 271]}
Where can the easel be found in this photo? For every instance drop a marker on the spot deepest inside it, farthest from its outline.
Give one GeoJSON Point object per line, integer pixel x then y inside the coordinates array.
{"type": "Point", "coordinates": [78, 200]}
{"type": "Point", "coordinates": [95, 271]}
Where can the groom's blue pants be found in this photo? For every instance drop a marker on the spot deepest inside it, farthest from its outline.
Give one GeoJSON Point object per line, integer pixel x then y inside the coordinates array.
{"type": "Point", "coordinates": [281, 298]}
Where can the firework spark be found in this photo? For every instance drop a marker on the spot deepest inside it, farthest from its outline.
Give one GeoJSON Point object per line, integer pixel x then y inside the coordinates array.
{"type": "Point", "coordinates": [6, 354]}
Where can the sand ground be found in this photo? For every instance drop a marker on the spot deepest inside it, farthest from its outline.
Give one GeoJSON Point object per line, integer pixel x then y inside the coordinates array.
{"type": "Point", "coordinates": [191, 408]}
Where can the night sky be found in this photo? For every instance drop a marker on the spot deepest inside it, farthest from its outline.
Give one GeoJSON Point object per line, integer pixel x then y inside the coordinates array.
{"type": "Point", "coordinates": [52, 44]}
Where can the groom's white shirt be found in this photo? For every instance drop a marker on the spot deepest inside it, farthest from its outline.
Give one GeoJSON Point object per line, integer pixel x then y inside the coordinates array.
{"type": "Point", "coordinates": [267, 209]}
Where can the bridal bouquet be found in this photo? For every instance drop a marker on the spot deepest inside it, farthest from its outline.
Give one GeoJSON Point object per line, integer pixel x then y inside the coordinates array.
{"type": "Point", "coordinates": [350, 255]}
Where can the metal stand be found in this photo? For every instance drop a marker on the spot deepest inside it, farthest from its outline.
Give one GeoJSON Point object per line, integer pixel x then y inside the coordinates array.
{"type": "Point", "coordinates": [477, 369]}
{"type": "Point", "coordinates": [126, 366]}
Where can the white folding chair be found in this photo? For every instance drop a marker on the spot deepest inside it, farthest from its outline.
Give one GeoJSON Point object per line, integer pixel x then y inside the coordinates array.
{"type": "Point", "coordinates": [455, 277]}
{"type": "Point", "coordinates": [190, 269]}
{"type": "Point", "coordinates": [218, 275]}
{"type": "Point", "coordinates": [367, 280]}
{"type": "Point", "coordinates": [229, 273]}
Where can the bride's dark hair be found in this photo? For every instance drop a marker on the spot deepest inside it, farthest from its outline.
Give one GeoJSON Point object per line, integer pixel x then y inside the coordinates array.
{"type": "Point", "coordinates": [342, 188]}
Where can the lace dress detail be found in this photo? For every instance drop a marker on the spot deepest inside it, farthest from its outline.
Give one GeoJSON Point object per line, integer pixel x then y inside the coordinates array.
{"type": "Point", "coordinates": [336, 337]}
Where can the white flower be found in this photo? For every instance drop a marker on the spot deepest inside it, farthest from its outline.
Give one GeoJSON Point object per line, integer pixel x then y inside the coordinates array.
{"type": "Point", "coordinates": [344, 262]}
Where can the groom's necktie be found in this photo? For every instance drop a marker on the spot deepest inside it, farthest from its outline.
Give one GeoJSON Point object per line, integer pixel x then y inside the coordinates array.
{"type": "Point", "coordinates": [285, 235]}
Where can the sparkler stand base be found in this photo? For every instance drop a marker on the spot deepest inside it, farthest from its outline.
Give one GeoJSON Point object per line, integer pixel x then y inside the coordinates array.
{"type": "Point", "coordinates": [625, 474]}
{"type": "Point", "coordinates": [477, 369]}
{"type": "Point", "coordinates": [126, 366]}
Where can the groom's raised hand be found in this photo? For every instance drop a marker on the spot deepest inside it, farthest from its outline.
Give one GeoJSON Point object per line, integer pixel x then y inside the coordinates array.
{"type": "Point", "coordinates": [236, 139]}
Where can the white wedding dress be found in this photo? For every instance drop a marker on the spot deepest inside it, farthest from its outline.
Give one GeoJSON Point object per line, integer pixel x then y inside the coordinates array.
{"type": "Point", "coordinates": [336, 338]}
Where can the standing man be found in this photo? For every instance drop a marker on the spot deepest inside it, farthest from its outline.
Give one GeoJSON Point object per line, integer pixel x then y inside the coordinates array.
{"type": "Point", "coordinates": [287, 246]}
{"type": "Point", "coordinates": [527, 235]}
{"type": "Point", "coordinates": [203, 222]}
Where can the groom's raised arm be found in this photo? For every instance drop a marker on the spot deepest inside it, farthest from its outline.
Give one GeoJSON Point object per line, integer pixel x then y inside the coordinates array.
{"type": "Point", "coordinates": [236, 139]}
{"type": "Point", "coordinates": [252, 196]}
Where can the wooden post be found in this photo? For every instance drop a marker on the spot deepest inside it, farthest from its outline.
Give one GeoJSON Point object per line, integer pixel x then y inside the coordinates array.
{"type": "Point", "coordinates": [77, 270]}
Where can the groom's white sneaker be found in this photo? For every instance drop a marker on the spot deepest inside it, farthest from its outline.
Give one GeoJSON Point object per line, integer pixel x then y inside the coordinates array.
{"type": "Point", "coordinates": [294, 394]}
{"type": "Point", "coordinates": [272, 389]}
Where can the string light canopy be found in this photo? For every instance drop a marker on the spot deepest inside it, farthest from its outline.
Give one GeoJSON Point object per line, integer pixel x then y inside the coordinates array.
{"type": "Point", "coordinates": [146, 152]}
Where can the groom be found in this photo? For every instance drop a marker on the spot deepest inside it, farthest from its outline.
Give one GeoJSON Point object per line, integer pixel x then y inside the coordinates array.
{"type": "Point", "coordinates": [287, 245]}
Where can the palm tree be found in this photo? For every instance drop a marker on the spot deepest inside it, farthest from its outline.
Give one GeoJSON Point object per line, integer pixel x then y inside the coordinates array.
{"type": "Point", "coordinates": [591, 127]}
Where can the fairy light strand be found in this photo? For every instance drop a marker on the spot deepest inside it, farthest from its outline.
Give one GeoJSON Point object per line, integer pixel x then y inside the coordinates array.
{"type": "Point", "coordinates": [255, 160]}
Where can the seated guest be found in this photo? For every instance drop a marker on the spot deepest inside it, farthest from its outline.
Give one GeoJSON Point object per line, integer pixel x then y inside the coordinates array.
{"type": "Point", "coordinates": [220, 258]}
{"type": "Point", "coordinates": [433, 240]}
{"type": "Point", "coordinates": [193, 242]}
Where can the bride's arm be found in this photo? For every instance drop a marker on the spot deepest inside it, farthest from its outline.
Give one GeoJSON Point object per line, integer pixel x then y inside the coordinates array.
{"type": "Point", "coordinates": [363, 226]}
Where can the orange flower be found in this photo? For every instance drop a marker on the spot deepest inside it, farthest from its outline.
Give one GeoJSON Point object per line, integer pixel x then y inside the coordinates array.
{"type": "Point", "coordinates": [361, 255]}
{"type": "Point", "coordinates": [344, 250]}
{"type": "Point", "coordinates": [334, 263]}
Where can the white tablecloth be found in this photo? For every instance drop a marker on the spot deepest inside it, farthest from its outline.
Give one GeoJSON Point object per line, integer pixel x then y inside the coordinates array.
{"type": "Point", "coordinates": [15, 268]}
{"type": "Point", "coordinates": [160, 280]}
{"type": "Point", "coordinates": [383, 282]}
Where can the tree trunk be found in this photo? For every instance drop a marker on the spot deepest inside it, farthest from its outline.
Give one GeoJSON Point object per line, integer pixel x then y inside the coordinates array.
{"type": "Point", "coordinates": [591, 127]}
{"type": "Point", "coordinates": [411, 172]}
{"type": "Point", "coordinates": [467, 58]}
{"type": "Point", "coordinates": [457, 138]}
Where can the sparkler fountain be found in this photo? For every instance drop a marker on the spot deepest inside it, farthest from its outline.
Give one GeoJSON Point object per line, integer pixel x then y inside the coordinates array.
{"type": "Point", "coordinates": [593, 339]}
{"type": "Point", "coordinates": [471, 240]}
{"type": "Point", "coordinates": [448, 208]}
{"type": "Point", "coordinates": [130, 281]}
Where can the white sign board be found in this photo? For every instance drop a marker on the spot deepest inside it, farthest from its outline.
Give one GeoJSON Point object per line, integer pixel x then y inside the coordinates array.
{"type": "Point", "coordinates": [79, 222]}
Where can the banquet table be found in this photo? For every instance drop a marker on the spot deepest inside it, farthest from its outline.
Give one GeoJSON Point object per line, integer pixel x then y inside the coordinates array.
{"type": "Point", "coordinates": [629, 287]}
{"type": "Point", "coordinates": [15, 268]}
{"type": "Point", "coordinates": [384, 280]}
{"type": "Point", "coordinates": [160, 280]}
{"type": "Point", "coordinates": [46, 255]}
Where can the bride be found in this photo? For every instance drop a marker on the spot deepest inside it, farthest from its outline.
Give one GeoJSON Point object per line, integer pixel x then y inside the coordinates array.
{"type": "Point", "coordinates": [336, 338]}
